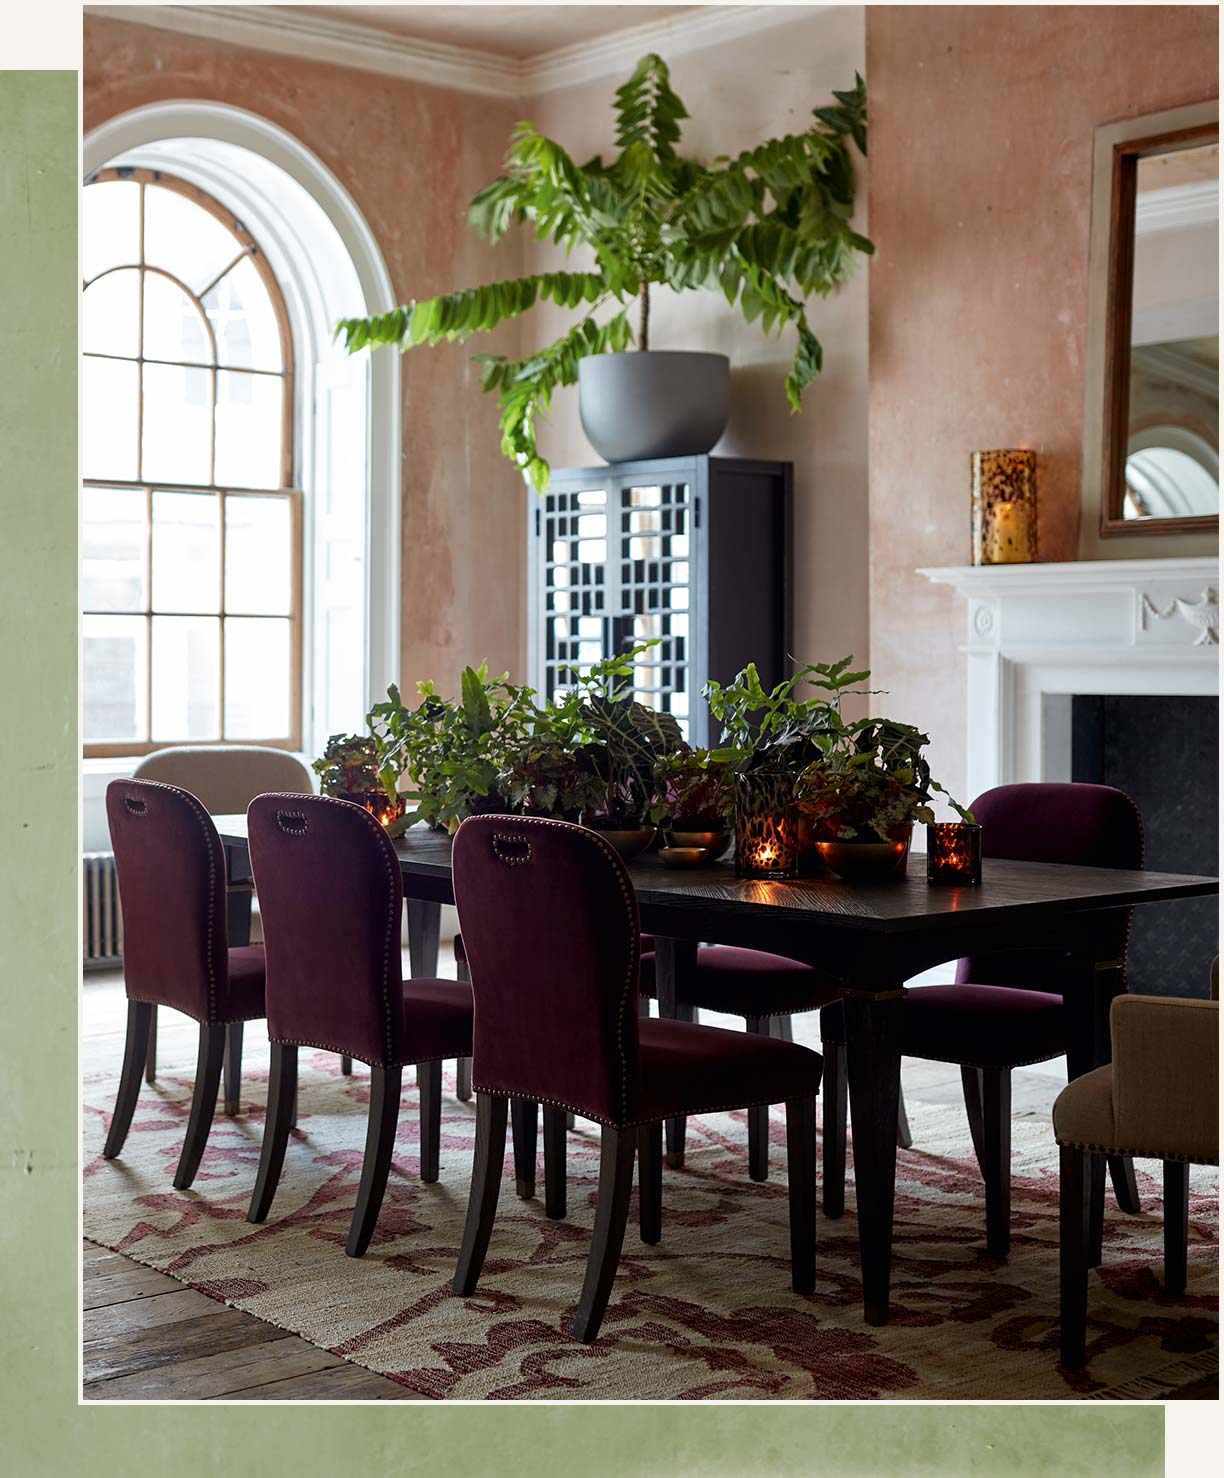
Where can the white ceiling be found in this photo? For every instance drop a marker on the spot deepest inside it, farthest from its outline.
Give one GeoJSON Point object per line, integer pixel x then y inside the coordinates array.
{"type": "Point", "coordinates": [515, 31]}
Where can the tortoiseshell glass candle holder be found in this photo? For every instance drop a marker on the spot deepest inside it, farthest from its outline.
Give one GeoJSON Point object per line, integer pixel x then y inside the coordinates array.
{"type": "Point", "coordinates": [380, 805]}
{"type": "Point", "coordinates": [1004, 507]}
{"type": "Point", "coordinates": [766, 825]}
{"type": "Point", "coordinates": [954, 853]}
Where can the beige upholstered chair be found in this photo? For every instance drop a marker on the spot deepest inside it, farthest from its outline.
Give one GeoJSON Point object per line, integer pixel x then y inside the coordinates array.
{"type": "Point", "coordinates": [1159, 1099]}
{"type": "Point", "coordinates": [225, 779]}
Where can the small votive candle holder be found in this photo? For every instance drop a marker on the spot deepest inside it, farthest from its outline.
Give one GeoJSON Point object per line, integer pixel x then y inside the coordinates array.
{"type": "Point", "coordinates": [766, 825]}
{"type": "Point", "coordinates": [1004, 507]}
{"type": "Point", "coordinates": [380, 805]}
{"type": "Point", "coordinates": [954, 853]}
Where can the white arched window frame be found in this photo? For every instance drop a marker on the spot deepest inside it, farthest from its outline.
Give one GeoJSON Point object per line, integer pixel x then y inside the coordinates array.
{"type": "Point", "coordinates": [347, 411]}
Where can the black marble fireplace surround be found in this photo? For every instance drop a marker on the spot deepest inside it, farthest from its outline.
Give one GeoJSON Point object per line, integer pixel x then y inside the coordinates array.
{"type": "Point", "coordinates": [1164, 752]}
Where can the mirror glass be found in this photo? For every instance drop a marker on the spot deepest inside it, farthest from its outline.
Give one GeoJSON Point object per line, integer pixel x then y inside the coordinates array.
{"type": "Point", "coordinates": [1172, 445]}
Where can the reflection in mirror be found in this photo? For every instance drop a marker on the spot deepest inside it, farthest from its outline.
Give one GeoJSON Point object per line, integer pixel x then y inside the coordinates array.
{"type": "Point", "coordinates": [1172, 464]}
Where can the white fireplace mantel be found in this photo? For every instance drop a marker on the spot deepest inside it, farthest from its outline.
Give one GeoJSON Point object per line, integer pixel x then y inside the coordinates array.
{"type": "Point", "coordinates": [1038, 634]}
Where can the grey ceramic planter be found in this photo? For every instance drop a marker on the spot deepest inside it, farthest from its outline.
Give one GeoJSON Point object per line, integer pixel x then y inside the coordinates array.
{"type": "Point", "coordinates": [657, 403]}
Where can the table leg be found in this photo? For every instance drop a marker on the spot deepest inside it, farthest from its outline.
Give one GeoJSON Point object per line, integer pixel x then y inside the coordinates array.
{"type": "Point", "coordinates": [674, 960]}
{"type": "Point", "coordinates": [238, 915]}
{"type": "Point", "coordinates": [873, 1066]}
{"type": "Point", "coordinates": [424, 925]}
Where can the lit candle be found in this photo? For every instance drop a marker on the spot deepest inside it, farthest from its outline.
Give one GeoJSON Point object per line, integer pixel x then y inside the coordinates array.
{"type": "Point", "coordinates": [766, 825]}
{"type": "Point", "coordinates": [1008, 539]}
{"type": "Point", "coordinates": [954, 852]}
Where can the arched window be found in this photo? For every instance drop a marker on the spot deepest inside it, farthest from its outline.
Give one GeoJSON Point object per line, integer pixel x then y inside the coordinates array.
{"type": "Point", "coordinates": [191, 528]}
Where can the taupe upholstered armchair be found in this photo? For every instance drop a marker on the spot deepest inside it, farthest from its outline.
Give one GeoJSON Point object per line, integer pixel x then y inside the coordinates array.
{"type": "Point", "coordinates": [1158, 1099]}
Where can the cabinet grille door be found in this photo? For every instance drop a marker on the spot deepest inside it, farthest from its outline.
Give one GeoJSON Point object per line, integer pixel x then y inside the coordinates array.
{"type": "Point", "coordinates": [574, 586]}
{"type": "Point", "coordinates": [655, 565]}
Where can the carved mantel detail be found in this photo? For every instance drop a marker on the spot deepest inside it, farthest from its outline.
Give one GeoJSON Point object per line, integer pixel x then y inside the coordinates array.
{"type": "Point", "coordinates": [1203, 615]}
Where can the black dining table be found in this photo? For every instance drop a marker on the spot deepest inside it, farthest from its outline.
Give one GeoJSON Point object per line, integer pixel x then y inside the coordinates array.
{"type": "Point", "coordinates": [869, 938]}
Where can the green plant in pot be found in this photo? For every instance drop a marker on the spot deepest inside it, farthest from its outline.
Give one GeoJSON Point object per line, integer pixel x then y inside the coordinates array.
{"type": "Point", "coordinates": [864, 795]}
{"type": "Point", "coordinates": [454, 753]}
{"type": "Point", "coordinates": [361, 768]}
{"type": "Point", "coordinates": [767, 229]}
{"type": "Point", "coordinates": [696, 801]}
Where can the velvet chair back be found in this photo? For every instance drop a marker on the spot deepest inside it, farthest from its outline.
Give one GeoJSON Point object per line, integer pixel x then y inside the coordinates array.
{"type": "Point", "coordinates": [331, 898]}
{"type": "Point", "coordinates": [171, 870]}
{"type": "Point", "coordinates": [1085, 825]}
{"type": "Point", "coordinates": [550, 926]}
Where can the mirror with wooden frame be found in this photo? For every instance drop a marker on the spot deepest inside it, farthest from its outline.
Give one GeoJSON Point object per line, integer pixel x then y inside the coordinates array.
{"type": "Point", "coordinates": [1151, 452]}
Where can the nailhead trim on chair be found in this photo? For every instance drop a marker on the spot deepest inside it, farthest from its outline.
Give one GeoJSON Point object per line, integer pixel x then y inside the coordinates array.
{"type": "Point", "coordinates": [392, 919]}
{"type": "Point", "coordinates": [1107, 1149]}
{"type": "Point", "coordinates": [631, 971]}
{"type": "Point", "coordinates": [713, 1108]}
{"type": "Point", "coordinates": [345, 1052]}
{"type": "Point", "coordinates": [210, 836]}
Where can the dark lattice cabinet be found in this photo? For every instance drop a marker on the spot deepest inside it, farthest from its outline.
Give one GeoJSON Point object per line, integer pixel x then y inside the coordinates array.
{"type": "Point", "coordinates": [691, 551]}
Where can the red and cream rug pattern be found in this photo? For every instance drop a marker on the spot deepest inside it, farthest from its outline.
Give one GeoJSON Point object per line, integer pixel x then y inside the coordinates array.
{"type": "Point", "coordinates": [706, 1315]}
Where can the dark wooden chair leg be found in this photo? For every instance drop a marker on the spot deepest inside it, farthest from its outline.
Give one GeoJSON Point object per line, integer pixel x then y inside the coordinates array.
{"type": "Point", "coordinates": [209, 1062]}
{"type": "Point", "coordinates": [675, 960]}
{"type": "Point", "coordinates": [524, 1126]}
{"type": "Point", "coordinates": [463, 1079]}
{"type": "Point", "coordinates": [905, 1140]}
{"type": "Point", "coordinates": [293, 1107]}
{"type": "Point", "coordinates": [996, 1145]}
{"type": "Point", "coordinates": [282, 1096]}
{"type": "Point", "coordinates": [611, 1213]}
{"type": "Point", "coordinates": [385, 1085]}
{"type": "Point", "coordinates": [346, 1065]}
{"type": "Point", "coordinates": [135, 1046]}
{"type": "Point", "coordinates": [487, 1160]}
{"type": "Point", "coordinates": [758, 1117]}
{"type": "Point", "coordinates": [233, 1068]}
{"type": "Point", "coordinates": [833, 1105]}
{"type": "Point", "coordinates": [801, 1175]}
{"type": "Point", "coordinates": [971, 1084]}
{"type": "Point", "coordinates": [150, 1070]}
{"type": "Point", "coordinates": [1073, 1216]}
{"type": "Point", "coordinates": [429, 1085]}
{"type": "Point", "coordinates": [1126, 1189]}
{"type": "Point", "coordinates": [1096, 1208]}
{"type": "Point", "coordinates": [650, 1183]}
{"type": "Point", "coordinates": [1176, 1224]}
{"type": "Point", "coordinates": [554, 1162]}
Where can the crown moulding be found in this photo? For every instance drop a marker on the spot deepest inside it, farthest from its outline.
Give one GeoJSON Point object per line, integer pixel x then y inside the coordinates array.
{"type": "Point", "coordinates": [462, 68]}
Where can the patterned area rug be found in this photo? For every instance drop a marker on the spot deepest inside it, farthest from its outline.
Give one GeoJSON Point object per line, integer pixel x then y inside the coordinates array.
{"type": "Point", "coordinates": [707, 1314]}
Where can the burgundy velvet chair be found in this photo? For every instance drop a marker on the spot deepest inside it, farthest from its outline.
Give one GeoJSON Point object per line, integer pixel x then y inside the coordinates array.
{"type": "Point", "coordinates": [331, 897]}
{"type": "Point", "coordinates": [766, 990]}
{"type": "Point", "coordinates": [550, 927]}
{"type": "Point", "coordinates": [171, 869]}
{"type": "Point", "coordinates": [995, 1018]}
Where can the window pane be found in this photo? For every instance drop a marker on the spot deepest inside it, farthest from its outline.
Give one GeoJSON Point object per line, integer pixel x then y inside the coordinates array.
{"type": "Point", "coordinates": [110, 227]}
{"type": "Point", "coordinates": [186, 239]}
{"type": "Point", "coordinates": [244, 320]}
{"type": "Point", "coordinates": [110, 315]}
{"type": "Point", "coordinates": [249, 409]}
{"type": "Point", "coordinates": [257, 674]}
{"type": "Point", "coordinates": [115, 670]}
{"type": "Point", "coordinates": [177, 423]}
{"type": "Point", "coordinates": [186, 677]}
{"type": "Point", "coordinates": [173, 327]}
{"type": "Point", "coordinates": [114, 548]}
{"type": "Point", "coordinates": [110, 395]}
{"type": "Point", "coordinates": [186, 552]}
{"type": "Point", "coordinates": [258, 556]}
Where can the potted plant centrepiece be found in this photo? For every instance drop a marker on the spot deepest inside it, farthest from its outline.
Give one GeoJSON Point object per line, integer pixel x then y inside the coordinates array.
{"type": "Point", "coordinates": [767, 229]}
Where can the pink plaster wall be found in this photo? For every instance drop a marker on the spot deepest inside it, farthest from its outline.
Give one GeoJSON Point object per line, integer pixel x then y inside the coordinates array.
{"type": "Point", "coordinates": [411, 156]}
{"type": "Point", "coordinates": [981, 165]}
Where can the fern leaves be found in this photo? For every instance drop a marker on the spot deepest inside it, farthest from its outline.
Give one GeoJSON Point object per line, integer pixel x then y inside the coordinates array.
{"type": "Point", "coordinates": [768, 229]}
{"type": "Point", "coordinates": [459, 315]}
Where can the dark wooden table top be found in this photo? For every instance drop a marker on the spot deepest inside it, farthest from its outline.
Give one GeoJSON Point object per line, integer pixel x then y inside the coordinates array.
{"type": "Point", "coordinates": [904, 904]}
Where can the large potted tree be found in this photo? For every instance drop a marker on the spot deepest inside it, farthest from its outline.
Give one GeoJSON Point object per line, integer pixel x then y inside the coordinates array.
{"type": "Point", "coordinates": [767, 229]}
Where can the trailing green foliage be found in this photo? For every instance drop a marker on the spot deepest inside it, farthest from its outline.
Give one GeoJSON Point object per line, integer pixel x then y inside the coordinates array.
{"type": "Point", "coordinates": [767, 229]}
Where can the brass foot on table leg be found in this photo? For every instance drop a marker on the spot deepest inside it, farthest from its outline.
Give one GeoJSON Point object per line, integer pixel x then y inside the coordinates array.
{"type": "Point", "coordinates": [674, 1159]}
{"type": "Point", "coordinates": [524, 1189]}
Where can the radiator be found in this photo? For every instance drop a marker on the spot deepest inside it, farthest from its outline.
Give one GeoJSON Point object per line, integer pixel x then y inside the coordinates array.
{"type": "Point", "coordinates": [103, 931]}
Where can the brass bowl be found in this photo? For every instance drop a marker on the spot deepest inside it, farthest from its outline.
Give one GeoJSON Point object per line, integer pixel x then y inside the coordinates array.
{"type": "Point", "coordinates": [684, 856]}
{"type": "Point", "coordinates": [866, 862]}
{"type": "Point", "coordinates": [714, 843]}
{"type": "Point", "coordinates": [629, 843]}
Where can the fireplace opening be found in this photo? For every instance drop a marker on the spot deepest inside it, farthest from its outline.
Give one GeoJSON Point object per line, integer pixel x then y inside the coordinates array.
{"type": "Point", "coordinates": [1163, 752]}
